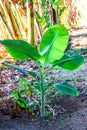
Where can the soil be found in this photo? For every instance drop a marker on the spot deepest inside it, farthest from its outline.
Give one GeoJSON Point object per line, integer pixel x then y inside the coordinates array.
{"type": "Point", "coordinates": [70, 113]}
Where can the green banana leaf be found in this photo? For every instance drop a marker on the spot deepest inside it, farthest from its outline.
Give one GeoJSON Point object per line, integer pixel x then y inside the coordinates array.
{"type": "Point", "coordinates": [20, 49]}
{"type": "Point", "coordinates": [53, 44]}
{"type": "Point", "coordinates": [32, 73]}
{"type": "Point", "coordinates": [66, 88]}
{"type": "Point", "coordinates": [69, 62]}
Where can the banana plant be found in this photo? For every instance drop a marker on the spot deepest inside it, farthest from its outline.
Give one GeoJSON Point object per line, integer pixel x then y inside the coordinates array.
{"type": "Point", "coordinates": [51, 53]}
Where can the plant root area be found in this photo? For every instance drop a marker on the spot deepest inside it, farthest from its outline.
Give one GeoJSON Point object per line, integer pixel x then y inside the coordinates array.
{"type": "Point", "coordinates": [66, 112]}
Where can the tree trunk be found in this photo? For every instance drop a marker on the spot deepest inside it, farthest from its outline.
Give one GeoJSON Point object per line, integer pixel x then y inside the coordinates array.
{"type": "Point", "coordinates": [30, 18]}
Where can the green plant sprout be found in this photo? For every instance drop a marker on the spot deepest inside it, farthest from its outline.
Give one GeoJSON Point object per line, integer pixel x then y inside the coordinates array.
{"type": "Point", "coordinates": [23, 93]}
{"type": "Point", "coordinates": [51, 53]}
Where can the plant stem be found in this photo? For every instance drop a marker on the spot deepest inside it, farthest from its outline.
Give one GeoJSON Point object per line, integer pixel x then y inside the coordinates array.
{"type": "Point", "coordinates": [42, 82]}
{"type": "Point", "coordinates": [43, 114]}
{"type": "Point", "coordinates": [42, 96]}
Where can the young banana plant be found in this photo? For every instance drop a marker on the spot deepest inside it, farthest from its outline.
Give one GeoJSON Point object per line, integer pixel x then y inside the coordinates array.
{"type": "Point", "coordinates": [50, 54]}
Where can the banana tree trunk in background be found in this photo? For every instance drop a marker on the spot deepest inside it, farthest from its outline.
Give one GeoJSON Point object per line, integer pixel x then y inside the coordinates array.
{"type": "Point", "coordinates": [12, 19]}
{"type": "Point", "coordinates": [77, 12]}
{"type": "Point", "coordinates": [30, 20]}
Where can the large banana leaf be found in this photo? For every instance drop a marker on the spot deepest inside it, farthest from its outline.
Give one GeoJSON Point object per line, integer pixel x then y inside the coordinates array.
{"type": "Point", "coordinates": [66, 88]}
{"type": "Point", "coordinates": [32, 73]}
{"type": "Point", "coordinates": [53, 44]}
{"type": "Point", "coordinates": [70, 62]}
{"type": "Point", "coordinates": [20, 49]}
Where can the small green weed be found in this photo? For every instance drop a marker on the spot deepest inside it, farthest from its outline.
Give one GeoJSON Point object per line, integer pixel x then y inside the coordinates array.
{"type": "Point", "coordinates": [23, 94]}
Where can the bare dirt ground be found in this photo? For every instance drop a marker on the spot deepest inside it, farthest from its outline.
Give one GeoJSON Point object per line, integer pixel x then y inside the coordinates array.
{"type": "Point", "coordinates": [70, 112]}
